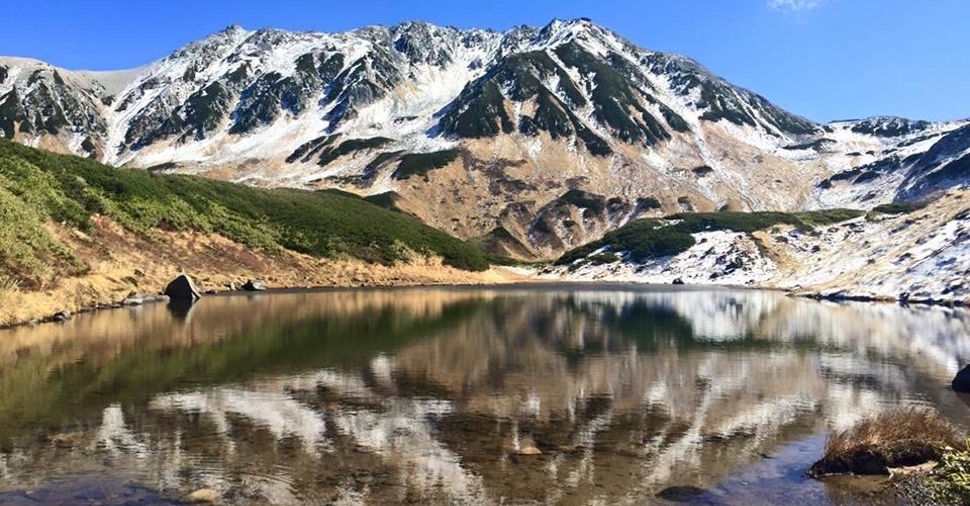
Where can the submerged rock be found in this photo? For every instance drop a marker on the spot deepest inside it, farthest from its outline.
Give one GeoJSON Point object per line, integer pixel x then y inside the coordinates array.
{"type": "Point", "coordinates": [67, 439]}
{"type": "Point", "coordinates": [182, 288]}
{"type": "Point", "coordinates": [108, 493]}
{"type": "Point", "coordinates": [528, 450]}
{"type": "Point", "coordinates": [202, 496]}
{"type": "Point", "coordinates": [681, 493]}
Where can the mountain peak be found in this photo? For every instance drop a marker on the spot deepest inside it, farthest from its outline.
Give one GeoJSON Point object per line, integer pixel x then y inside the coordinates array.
{"type": "Point", "coordinates": [568, 29]}
{"type": "Point", "coordinates": [367, 109]}
{"type": "Point", "coordinates": [231, 29]}
{"type": "Point", "coordinates": [557, 23]}
{"type": "Point", "coordinates": [414, 24]}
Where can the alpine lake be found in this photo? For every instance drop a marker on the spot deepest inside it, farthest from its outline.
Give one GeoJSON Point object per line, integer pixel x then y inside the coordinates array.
{"type": "Point", "coordinates": [546, 394]}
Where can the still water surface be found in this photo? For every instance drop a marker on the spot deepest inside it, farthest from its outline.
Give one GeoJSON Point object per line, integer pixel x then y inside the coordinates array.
{"type": "Point", "coordinates": [539, 395]}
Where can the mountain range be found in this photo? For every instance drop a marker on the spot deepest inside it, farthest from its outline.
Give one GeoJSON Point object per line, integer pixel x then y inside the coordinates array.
{"type": "Point", "coordinates": [531, 141]}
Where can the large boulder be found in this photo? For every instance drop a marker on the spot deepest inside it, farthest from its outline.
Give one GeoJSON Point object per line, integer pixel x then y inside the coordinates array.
{"type": "Point", "coordinates": [254, 285]}
{"type": "Point", "coordinates": [182, 288]}
{"type": "Point", "coordinates": [961, 382]}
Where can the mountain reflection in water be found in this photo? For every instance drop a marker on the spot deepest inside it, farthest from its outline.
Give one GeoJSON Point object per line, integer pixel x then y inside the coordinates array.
{"type": "Point", "coordinates": [555, 394]}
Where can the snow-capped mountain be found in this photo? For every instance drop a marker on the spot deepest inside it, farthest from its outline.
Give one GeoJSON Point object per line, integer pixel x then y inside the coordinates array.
{"type": "Point", "coordinates": [884, 159]}
{"type": "Point", "coordinates": [534, 139]}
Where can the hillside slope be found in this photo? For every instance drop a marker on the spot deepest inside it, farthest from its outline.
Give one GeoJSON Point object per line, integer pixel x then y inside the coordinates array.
{"type": "Point", "coordinates": [479, 133]}
{"type": "Point", "coordinates": [906, 253]}
{"type": "Point", "coordinates": [77, 233]}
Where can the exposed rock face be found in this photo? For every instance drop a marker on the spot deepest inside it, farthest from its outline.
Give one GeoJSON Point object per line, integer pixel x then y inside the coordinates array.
{"type": "Point", "coordinates": [961, 382]}
{"type": "Point", "coordinates": [133, 301]}
{"type": "Point", "coordinates": [255, 285]}
{"type": "Point", "coordinates": [183, 288]}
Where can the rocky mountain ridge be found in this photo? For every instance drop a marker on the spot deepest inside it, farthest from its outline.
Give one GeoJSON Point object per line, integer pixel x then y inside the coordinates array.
{"type": "Point", "coordinates": [533, 140]}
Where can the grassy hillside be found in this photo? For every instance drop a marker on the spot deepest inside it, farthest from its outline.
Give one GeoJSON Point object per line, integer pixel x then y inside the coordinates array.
{"type": "Point", "coordinates": [37, 187]}
{"type": "Point", "coordinates": [648, 238]}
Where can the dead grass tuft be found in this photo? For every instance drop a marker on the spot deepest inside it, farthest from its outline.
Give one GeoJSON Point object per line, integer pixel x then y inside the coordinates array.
{"type": "Point", "coordinates": [899, 438]}
{"type": "Point", "coordinates": [9, 284]}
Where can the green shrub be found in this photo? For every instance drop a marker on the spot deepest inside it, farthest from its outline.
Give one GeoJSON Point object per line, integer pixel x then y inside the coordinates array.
{"type": "Point", "coordinates": [952, 474]}
{"type": "Point", "coordinates": [419, 164]}
{"type": "Point", "coordinates": [613, 97]}
{"type": "Point", "coordinates": [584, 200]}
{"type": "Point", "coordinates": [648, 203]}
{"type": "Point", "coordinates": [37, 186]}
{"type": "Point", "coordinates": [602, 259]}
{"type": "Point", "coordinates": [478, 112]}
{"type": "Point", "coordinates": [654, 243]}
{"type": "Point", "coordinates": [648, 238]}
{"type": "Point", "coordinates": [350, 146]}
{"type": "Point", "coordinates": [899, 207]}
{"type": "Point", "coordinates": [641, 239]}
{"type": "Point", "coordinates": [385, 200]}
{"type": "Point", "coordinates": [750, 222]}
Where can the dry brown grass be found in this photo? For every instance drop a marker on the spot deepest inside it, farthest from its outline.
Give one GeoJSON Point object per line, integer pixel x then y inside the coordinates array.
{"type": "Point", "coordinates": [9, 289]}
{"type": "Point", "coordinates": [120, 262]}
{"type": "Point", "coordinates": [8, 284]}
{"type": "Point", "coordinates": [899, 438]}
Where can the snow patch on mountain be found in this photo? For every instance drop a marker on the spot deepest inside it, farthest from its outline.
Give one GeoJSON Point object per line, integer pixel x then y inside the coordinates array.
{"type": "Point", "coordinates": [923, 256]}
{"type": "Point", "coordinates": [717, 258]}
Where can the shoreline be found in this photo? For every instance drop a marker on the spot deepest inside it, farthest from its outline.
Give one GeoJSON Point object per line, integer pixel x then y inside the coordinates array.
{"type": "Point", "coordinates": [925, 265]}
{"type": "Point", "coordinates": [509, 278]}
{"type": "Point", "coordinates": [145, 299]}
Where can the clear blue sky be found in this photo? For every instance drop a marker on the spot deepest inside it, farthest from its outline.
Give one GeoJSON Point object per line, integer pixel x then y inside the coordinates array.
{"type": "Point", "coordinates": [823, 59]}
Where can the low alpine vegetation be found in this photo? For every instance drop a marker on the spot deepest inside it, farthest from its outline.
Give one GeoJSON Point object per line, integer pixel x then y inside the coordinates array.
{"type": "Point", "coordinates": [419, 164]}
{"type": "Point", "coordinates": [899, 207]}
{"type": "Point", "coordinates": [38, 187]}
{"type": "Point", "coordinates": [751, 222]}
{"type": "Point", "coordinates": [899, 438]}
{"type": "Point", "coordinates": [650, 238]}
{"type": "Point", "coordinates": [950, 480]}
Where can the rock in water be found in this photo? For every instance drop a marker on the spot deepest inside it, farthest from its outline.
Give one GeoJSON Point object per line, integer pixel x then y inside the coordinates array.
{"type": "Point", "coordinates": [202, 496]}
{"type": "Point", "coordinates": [182, 288]}
{"type": "Point", "coordinates": [254, 285]}
{"type": "Point", "coordinates": [681, 493]}
{"type": "Point", "coordinates": [133, 301]}
{"type": "Point", "coordinates": [961, 382]}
